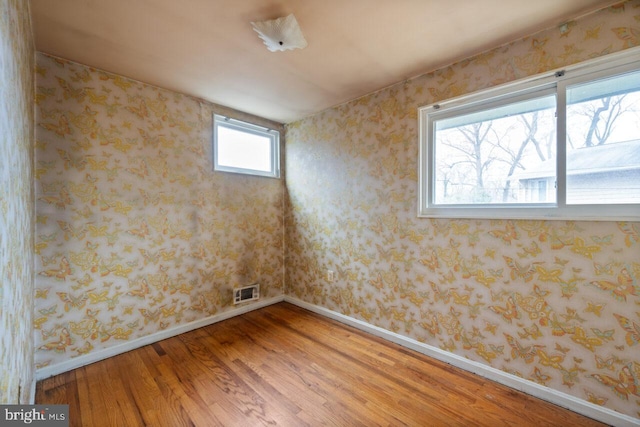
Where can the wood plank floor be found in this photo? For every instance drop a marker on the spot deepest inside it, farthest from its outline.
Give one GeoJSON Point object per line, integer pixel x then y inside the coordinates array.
{"type": "Point", "coordinates": [283, 365]}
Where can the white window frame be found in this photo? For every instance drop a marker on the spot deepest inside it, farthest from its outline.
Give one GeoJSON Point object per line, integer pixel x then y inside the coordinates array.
{"type": "Point", "coordinates": [556, 80]}
{"type": "Point", "coordinates": [250, 128]}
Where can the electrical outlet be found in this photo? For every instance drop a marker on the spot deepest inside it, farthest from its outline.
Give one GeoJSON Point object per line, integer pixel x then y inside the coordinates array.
{"type": "Point", "coordinates": [331, 276]}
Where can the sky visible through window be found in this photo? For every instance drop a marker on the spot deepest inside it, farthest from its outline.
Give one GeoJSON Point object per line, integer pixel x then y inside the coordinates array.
{"type": "Point", "coordinates": [240, 149]}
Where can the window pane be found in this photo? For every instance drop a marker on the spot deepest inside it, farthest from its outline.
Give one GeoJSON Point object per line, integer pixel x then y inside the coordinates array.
{"type": "Point", "coordinates": [240, 149]}
{"type": "Point", "coordinates": [502, 155]}
{"type": "Point", "coordinates": [603, 141]}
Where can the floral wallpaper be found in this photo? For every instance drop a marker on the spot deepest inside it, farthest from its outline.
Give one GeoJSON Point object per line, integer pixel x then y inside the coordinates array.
{"type": "Point", "coordinates": [553, 302]}
{"type": "Point", "coordinates": [134, 231]}
{"type": "Point", "coordinates": [16, 202]}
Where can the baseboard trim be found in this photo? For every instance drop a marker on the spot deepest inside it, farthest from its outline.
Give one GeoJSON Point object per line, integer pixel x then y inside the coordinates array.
{"type": "Point", "coordinates": [559, 398]}
{"type": "Point", "coordinates": [77, 362]}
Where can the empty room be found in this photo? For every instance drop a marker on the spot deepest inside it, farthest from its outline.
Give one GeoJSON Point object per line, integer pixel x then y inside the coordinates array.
{"type": "Point", "coordinates": [356, 212]}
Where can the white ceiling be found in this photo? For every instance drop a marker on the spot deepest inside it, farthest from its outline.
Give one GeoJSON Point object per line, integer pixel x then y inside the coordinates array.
{"type": "Point", "coordinates": [207, 48]}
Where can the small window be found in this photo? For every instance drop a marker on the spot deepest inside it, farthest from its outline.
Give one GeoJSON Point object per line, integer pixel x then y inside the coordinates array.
{"type": "Point", "coordinates": [565, 145]}
{"type": "Point", "coordinates": [242, 147]}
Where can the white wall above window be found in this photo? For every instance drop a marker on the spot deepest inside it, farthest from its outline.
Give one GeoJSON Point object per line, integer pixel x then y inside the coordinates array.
{"type": "Point", "coordinates": [241, 147]}
{"type": "Point", "coordinates": [565, 145]}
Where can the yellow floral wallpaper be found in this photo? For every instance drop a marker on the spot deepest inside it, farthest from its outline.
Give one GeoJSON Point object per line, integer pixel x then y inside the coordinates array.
{"type": "Point", "coordinates": [16, 202]}
{"type": "Point", "coordinates": [554, 302]}
{"type": "Point", "coordinates": [135, 233]}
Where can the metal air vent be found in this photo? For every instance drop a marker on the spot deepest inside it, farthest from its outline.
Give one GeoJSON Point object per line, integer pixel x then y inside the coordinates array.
{"type": "Point", "coordinates": [248, 293]}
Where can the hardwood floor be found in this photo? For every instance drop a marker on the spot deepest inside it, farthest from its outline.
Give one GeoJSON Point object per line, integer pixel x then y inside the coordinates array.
{"type": "Point", "coordinates": [283, 365]}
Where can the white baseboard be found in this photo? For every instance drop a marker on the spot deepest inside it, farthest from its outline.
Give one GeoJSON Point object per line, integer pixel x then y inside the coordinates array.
{"type": "Point", "coordinates": [77, 362]}
{"type": "Point", "coordinates": [559, 398]}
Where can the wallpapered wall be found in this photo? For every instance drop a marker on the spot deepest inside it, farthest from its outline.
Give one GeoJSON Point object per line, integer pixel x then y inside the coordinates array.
{"type": "Point", "coordinates": [16, 202]}
{"type": "Point", "coordinates": [555, 302]}
{"type": "Point", "coordinates": [134, 232]}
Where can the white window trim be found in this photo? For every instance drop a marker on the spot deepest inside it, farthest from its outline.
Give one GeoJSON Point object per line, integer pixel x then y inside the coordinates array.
{"type": "Point", "coordinates": [627, 60]}
{"type": "Point", "coordinates": [274, 138]}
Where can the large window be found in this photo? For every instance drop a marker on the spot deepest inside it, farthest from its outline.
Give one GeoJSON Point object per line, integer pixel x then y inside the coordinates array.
{"type": "Point", "coordinates": [242, 147]}
{"type": "Point", "coordinates": [565, 145]}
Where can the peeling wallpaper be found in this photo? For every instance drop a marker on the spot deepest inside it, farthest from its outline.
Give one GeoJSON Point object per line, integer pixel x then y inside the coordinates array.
{"type": "Point", "coordinates": [554, 302]}
{"type": "Point", "coordinates": [135, 233]}
{"type": "Point", "coordinates": [16, 202]}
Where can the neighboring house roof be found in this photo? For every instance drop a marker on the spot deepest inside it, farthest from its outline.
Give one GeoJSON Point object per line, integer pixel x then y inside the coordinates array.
{"type": "Point", "coordinates": [600, 158]}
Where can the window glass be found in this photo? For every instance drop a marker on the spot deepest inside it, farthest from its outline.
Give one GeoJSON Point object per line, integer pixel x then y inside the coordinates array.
{"type": "Point", "coordinates": [603, 141]}
{"type": "Point", "coordinates": [239, 149]}
{"type": "Point", "coordinates": [488, 157]}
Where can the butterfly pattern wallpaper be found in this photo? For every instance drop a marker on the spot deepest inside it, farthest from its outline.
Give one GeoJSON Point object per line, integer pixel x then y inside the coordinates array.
{"type": "Point", "coordinates": [553, 302]}
{"type": "Point", "coordinates": [135, 233]}
{"type": "Point", "coordinates": [16, 202]}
